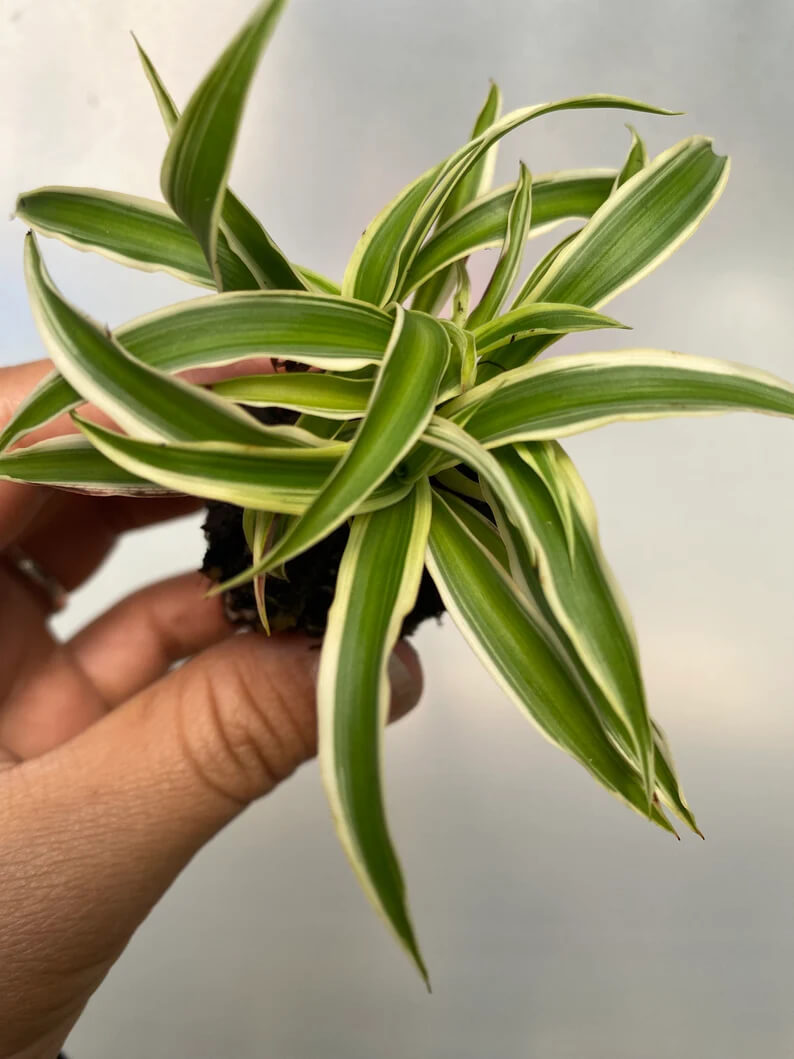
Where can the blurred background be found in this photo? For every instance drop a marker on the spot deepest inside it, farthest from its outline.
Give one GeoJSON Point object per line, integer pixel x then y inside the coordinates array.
{"type": "Point", "coordinates": [555, 923]}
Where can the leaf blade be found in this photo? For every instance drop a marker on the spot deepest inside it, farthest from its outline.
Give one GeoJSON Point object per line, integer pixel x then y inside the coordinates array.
{"type": "Point", "coordinates": [199, 153]}
{"type": "Point", "coordinates": [353, 694]}
{"type": "Point", "coordinates": [562, 396]}
{"type": "Point", "coordinates": [402, 402]}
{"type": "Point", "coordinates": [520, 650]}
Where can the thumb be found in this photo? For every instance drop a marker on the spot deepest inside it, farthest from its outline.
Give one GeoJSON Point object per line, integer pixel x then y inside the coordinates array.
{"type": "Point", "coordinates": [96, 830]}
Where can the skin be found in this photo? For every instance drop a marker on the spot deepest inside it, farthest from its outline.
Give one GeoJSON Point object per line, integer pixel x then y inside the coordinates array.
{"type": "Point", "coordinates": [114, 768]}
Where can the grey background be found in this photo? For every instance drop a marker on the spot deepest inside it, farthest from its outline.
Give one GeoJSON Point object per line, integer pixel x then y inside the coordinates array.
{"type": "Point", "coordinates": [555, 923]}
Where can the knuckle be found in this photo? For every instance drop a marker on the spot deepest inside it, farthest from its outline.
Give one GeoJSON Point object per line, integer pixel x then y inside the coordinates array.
{"type": "Point", "coordinates": [244, 740]}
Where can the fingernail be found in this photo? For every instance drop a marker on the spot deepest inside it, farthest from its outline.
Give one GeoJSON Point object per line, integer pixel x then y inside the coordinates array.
{"type": "Point", "coordinates": [405, 689]}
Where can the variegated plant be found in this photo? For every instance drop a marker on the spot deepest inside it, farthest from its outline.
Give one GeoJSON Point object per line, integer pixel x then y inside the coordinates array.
{"type": "Point", "coordinates": [436, 439]}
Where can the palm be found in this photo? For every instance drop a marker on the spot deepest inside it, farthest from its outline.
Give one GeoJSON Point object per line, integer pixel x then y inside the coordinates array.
{"type": "Point", "coordinates": [50, 691]}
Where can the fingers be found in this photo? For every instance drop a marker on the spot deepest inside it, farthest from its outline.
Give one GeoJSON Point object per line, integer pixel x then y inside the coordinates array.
{"type": "Point", "coordinates": [111, 817]}
{"type": "Point", "coordinates": [71, 535]}
{"type": "Point", "coordinates": [137, 641]}
{"type": "Point", "coordinates": [18, 503]}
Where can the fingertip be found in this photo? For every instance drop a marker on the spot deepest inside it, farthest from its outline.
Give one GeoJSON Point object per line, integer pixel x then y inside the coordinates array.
{"type": "Point", "coordinates": [406, 679]}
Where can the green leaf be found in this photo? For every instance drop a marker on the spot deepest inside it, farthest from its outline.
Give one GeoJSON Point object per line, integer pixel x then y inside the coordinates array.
{"type": "Point", "coordinates": [372, 267]}
{"type": "Point", "coordinates": [316, 329]}
{"type": "Point", "coordinates": [636, 160]}
{"type": "Point", "coordinates": [582, 594]}
{"type": "Point", "coordinates": [280, 479]}
{"type": "Point", "coordinates": [479, 527]}
{"type": "Point", "coordinates": [136, 232]}
{"type": "Point", "coordinates": [73, 463]}
{"type": "Point", "coordinates": [670, 788]}
{"type": "Point", "coordinates": [316, 281]}
{"type": "Point", "coordinates": [199, 154]}
{"type": "Point", "coordinates": [539, 318]}
{"type": "Point", "coordinates": [399, 409]}
{"type": "Point", "coordinates": [521, 651]}
{"type": "Point", "coordinates": [524, 570]}
{"type": "Point", "coordinates": [261, 527]}
{"type": "Point", "coordinates": [545, 459]}
{"type": "Point", "coordinates": [567, 395]}
{"type": "Point", "coordinates": [386, 548]}
{"type": "Point", "coordinates": [380, 262]}
{"type": "Point", "coordinates": [462, 294]}
{"type": "Point", "coordinates": [139, 398]}
{"type": "Point", "coordinates": [556, 197]}
{"type": "Point", "coordinates": [266, 262]}
{"type": "Point", "coordinates": [331, 396]}
{"type": "Point", "coordinates": [637, 228]}
{"type": "Point", "coordinates": [506, 271]}
{"type": "Point", "coordinates": [474, 184]}
{"type": "Point", "coordinates": [477, 181]}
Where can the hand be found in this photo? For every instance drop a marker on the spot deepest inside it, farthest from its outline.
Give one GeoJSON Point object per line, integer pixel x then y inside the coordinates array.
{"type": "Point", "coordinates": [115, 770]}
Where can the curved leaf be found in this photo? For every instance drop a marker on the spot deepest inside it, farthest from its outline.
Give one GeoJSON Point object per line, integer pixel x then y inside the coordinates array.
{"type": "Point", "coordinates": [474, 184]}
{"type": "Point", "coordinates": [331, 396]}
{"type": "Point", "coordinates": [522, 653]}
{"type": "Point", "coordinates": [582, 594]}
{"type": "Point", "coordinates": [73, 463]}
{"type": "Point", "coordinates": [539, 318]}
{"type": "Point", "coordinates": [136, 232]}
{"type": "Point", "coordinates": [556, 197]}
{"type": "Point", "coordinates": [266, 262]}
{"type": "Point", "coordinates": [402, 402]}
{"type": "Point", "coordinates": [139, 398]}
{"type": "Point", "coordinates": [636, 159]}
{"type": "Point", "coordinates": [386, 548]}
{"type": "Point", "coordinates": [277, 478]}
{"type": "Point", "coordinates": [380, 262]}
{"type": "Point", "coordinates": [316, 329]}
{"type": "Point", "coordinates": [506, 270]}
{"type": "Point", "coordinates": [637, 228]}
{"type": "Point", "coordinates": [199, 154]}
{"type": "Point", "coordinates": [567, 395]}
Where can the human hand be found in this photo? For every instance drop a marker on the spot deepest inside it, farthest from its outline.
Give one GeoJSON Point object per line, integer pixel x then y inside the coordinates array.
{"type": "Point", "coordinates": [113, 770]}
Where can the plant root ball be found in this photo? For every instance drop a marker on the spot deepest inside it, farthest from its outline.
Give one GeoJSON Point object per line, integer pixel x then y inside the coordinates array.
{"type": "Point", "coordinates": [302, 601]}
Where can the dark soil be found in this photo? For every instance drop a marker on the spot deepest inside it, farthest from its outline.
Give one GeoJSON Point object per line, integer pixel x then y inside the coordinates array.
{"type": "Point", "coordinates": [302, 601]}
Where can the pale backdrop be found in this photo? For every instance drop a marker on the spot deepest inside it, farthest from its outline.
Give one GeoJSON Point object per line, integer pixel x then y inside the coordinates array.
{"type": "Point", "coordinates": [555, 923]}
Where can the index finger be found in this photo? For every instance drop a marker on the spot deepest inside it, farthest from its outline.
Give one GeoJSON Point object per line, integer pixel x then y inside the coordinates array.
{"type": "Point", "coordinates": [18, 503]}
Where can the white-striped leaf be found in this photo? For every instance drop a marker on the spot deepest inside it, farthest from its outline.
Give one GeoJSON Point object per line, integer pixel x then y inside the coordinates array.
{"type": "Point", "coordinates": [266, 262]}
{"type": "Point", "coordinates": [73, 463]}
{"type": "Point", "coordinates": [320, 330]}
{"type": "Point", "coordinates": [636, 159]}
{"type": "Point", "coordinates": [521, 651]}
{"type": "Point", "coordinates": [556, 197]}
{"type": "Point", "coordinates": [539, 318]}
{"type": "Point", "coordinates": [545, 458]}
{"type": "Point", "coordinates": [386, 548]}
{"type": "Point", "coordinates": [567, 395]}
{"type": "Point", "coordinates": [637, 228]}
{"type": "Point", "coordinates": [199, 154]}
{"type": "Point", "coordinates": [582, 594]}
{"type": "Point", "coordinates": [384, 254]}
{"type": "Point", "coordinates": [509, 263]}
{"type": "Point", "coordinates": [481, 528]}
{"type": "Point", "coordinates": [330, 396]}
{"type": "Point", "coordinates": [280, 479]}
{"type": "Point", "coordinates": [139, 398]}
{"type": "Point", "coordinates": [136, 232]}
{"type": "Point", "coordinates": [430, 297]}
{"type": "Point", "coordinates": [525, 572]}
{"type": "Point", "coordinates": [402, 402]}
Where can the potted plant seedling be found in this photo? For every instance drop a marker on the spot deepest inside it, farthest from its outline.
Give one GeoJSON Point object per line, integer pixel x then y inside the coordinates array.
{"type": "Point", "coordinates": [404, 458]}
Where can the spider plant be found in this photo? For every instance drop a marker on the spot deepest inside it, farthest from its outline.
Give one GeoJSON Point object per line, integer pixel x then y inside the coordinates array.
{"type": "Point", "coordinates": [434, 438]}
